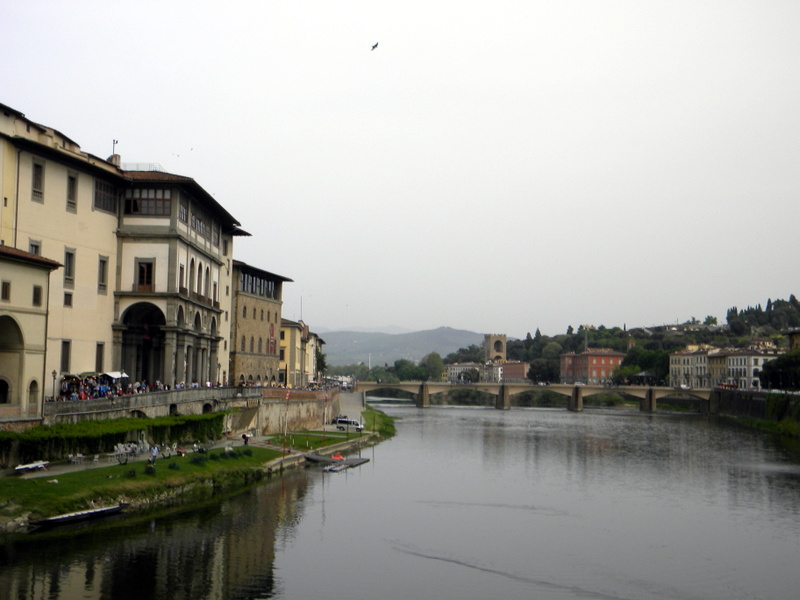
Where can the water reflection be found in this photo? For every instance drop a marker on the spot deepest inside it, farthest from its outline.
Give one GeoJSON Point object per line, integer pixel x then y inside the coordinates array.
{"type": "Point", "coordinates": [469, 503]}
{"type": "Point", "coordinates": [225, 550]}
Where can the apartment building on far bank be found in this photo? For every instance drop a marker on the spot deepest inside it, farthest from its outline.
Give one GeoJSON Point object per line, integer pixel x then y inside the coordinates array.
{"type": "Point", "coordinates": [592, 367]}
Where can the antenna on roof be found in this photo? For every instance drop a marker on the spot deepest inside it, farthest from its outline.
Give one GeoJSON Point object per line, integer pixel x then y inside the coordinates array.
{"type": "Point", "coordinates": [114, 146]}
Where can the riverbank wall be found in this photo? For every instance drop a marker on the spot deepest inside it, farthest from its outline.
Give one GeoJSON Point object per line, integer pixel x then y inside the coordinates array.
{"type": "Point", "coordinates": [255, 411]}
{"type": "Point", "coordinates": [768, 406]}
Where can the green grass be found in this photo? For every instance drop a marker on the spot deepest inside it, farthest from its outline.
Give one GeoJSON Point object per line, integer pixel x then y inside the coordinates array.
{"type": "Point", "coordinates": [379, 423]}
{"type": "Point", "coordinates": [102, 486]}
{"type": "Point", "coordinates": [108, 485]}
{"type": "Point", "coordinates": [305, 441]}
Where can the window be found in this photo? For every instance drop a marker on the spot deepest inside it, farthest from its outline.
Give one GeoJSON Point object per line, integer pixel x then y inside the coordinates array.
{"type": "Point", "coordinates": [182, 277]}
{"type": "Point", "coordinates": [259, 345]}
{"type": "Point", "coordinates": [148, 202]}
{"type": "Point", "coordinates": [35, 247]}
{"type": "Point", "coordinates": [72, 192]}
{"type": "Point", "coordinates": [5, 291]}
{"type": "Point", "coordinates": [244, 312]}
{"type": "Point", "coordinates": [243, 343]}
{"type": "Point", "coordinates": [37, 184]}
{"type": "Point", "coordinates": [252, 343]}
{"type": "Point", "coordinates": [183, 211]}
{"type": "Point", "coordinates": [144, 276]}
{"type": "Point", "coordinates": [99, 351]}
{"type": "Point", "coordinates": [68, 299]}
{"type": "Point", "coordinates": [105, 196]}
{"type": "Point", "coordinates": [69, 267]}
{"type": "Point", "coordinates": [37, 295]}
{"type": "Point", "coordinates": [102, 274]}
{"type": "Point", "coordinates": [66, 347]}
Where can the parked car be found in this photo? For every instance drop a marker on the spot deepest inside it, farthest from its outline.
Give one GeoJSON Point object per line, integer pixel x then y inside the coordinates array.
{"type": "Point", "coordinates": [343, 424]}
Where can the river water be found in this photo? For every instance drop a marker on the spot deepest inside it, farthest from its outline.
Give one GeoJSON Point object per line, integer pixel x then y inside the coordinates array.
{"type": "Point", "coordinates": [468, 503]}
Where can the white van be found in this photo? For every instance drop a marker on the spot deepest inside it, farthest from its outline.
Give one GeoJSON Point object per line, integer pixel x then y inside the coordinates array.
{"type": "Point", "coordinates": [343, 424]}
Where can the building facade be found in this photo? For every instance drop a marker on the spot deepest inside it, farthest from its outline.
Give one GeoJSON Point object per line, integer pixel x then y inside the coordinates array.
{"type": "Point", "coordinates": [592, 367]}
{"type": "Point", "coordinates": [255, 336]}
{"type": "Point", "coordinates": [298, 354]}
{"type": "Point", "coordinates": [735, 368]}
{"type": "Point", "coordinates": [24, 283]}
{"type": "Point", "coordinates": [145, 286]}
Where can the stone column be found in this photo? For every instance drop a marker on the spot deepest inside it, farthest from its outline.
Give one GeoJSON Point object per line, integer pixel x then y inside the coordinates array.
{"type": "Point", "coordinates": [424, 397]}
{"type": "Point", "coordinates": [575, 402]}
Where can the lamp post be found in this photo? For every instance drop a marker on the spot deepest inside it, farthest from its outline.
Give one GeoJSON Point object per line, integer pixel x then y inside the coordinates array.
{"type": "Point", "coordinates": [54, 383]}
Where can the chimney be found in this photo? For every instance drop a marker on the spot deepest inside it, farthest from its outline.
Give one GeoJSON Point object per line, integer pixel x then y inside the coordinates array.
{"type": "Point", "coordinates": [115, 159]}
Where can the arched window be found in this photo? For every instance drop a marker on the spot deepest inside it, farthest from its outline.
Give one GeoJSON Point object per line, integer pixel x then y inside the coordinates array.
{"type": "Point", "coordinates": [259, 345]}
{"type": "Point", "coordinates": [244, 341]}
{"type": "Point", "coordinates": [199, 278]}
{"type": "Point", "coordinates": [244, 312]}
{"type": "Point", "coordinates": [252, 343]}
{"type": "Point", "coordinates": [33, 394]}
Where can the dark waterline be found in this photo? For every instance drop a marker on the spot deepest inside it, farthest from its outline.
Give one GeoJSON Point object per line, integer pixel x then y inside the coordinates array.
{"type": "Point", "coordinates": [469, 503]}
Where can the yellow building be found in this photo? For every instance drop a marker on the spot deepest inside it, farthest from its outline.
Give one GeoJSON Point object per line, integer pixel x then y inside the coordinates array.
{"type": "Point", "coordinates": [24, 286]}
{"type": "Point", "coordinates": [257, 302]}
{"type": "Point", "coordinates": [298, 354]}
{"type": "Point", "coordinates": [146, 281]}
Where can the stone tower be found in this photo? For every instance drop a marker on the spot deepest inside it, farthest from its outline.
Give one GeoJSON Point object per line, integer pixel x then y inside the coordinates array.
{"type": "Point", "coordinates": [494, 347]}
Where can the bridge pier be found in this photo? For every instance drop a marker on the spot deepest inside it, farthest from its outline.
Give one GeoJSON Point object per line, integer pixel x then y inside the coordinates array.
{"type": "Point", "coordinates": [503, 399]}
{"type": "Point", "coordinates": [575, 402]}
{"type": "Point", "coordinates": [423, 397]}
{"type": "Point", "coordinates": [648, 403]}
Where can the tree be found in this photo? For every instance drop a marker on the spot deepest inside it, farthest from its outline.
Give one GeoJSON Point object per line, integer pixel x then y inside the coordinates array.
{"type": "Point", "coordinates": [322, 365]}
{"type": "Point", "coordinates": [552, 350]}
{"type": "Point", "coordinates": [543, 370]}
{"type": "Point", "coordinates": [405, 370]}
{"type": "Point", "coordinates": [433, 365]}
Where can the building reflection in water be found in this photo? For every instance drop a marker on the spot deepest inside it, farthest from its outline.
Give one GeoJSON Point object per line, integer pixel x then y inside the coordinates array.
{"type": "Point", "coordinates": [226, 550]}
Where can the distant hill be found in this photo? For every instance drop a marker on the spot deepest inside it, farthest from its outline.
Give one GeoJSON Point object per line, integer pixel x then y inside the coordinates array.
{"type": "Point", "coordinates": [355, 347]}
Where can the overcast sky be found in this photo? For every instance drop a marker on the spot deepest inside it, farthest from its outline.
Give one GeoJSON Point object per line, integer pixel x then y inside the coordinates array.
{"type": "Point", "coordinates": [495, 166]}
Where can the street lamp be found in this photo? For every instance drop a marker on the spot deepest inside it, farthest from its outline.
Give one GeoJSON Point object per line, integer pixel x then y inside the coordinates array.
{"type": "Point", "coordinates": [54, 383]}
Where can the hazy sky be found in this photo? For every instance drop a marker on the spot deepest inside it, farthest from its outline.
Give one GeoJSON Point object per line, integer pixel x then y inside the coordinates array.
{"type": "Point", "coordinates": [495, 166]}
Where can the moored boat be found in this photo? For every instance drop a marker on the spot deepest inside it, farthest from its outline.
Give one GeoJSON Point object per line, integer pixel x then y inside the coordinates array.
{"type": "Point", "coordinates": [80, 515]}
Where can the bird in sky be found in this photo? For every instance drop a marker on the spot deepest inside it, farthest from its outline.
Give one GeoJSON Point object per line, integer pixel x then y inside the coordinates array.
{"type": "Point", "coordinates": [375, 46]}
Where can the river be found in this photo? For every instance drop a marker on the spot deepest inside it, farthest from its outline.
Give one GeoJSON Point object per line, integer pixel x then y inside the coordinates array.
{"type": "Point", "coordinates": [468, 503]}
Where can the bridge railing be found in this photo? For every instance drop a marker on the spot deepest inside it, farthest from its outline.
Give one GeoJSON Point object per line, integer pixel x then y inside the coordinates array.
{"type": "Point", "coordinates": [150, 399]}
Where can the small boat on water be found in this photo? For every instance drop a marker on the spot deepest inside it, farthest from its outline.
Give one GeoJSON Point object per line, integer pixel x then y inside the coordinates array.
{"type": "Point", "coordinates": [81, 515]}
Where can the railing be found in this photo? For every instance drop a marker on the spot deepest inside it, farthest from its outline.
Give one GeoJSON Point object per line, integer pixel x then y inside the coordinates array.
{"type": "Point", "coordinates": [149, 399]}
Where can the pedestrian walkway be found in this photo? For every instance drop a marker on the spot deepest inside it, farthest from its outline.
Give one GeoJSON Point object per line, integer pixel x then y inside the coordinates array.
{"type": "Point", "coordinates": [350, 403]}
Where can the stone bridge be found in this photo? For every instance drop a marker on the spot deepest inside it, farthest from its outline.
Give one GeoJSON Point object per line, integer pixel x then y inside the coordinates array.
{"type": "Point", "coordinates": [648, 396]}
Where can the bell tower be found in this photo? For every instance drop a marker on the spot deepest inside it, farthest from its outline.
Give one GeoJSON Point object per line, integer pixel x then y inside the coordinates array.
{"type": "Point", "coordinates": [494, 347]}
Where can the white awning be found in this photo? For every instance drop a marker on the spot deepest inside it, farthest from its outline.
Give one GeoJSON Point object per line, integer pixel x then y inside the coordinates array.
{"type": "Point", "coordinates": [116, 374]}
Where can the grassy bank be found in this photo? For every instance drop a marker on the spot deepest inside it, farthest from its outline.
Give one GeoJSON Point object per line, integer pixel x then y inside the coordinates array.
{"type": "Point", "coordinates": [193, 476]}
{"type": "Point", "coordinates": [135, 482]}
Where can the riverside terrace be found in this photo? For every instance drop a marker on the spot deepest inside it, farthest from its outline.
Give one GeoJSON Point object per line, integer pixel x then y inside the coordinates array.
{"type": "Point", "coordinates": [151, 404]}
{"type": "Point", "coordinates": [256, 408]}
{"type": "Point", "coordinates": [706, 399]}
